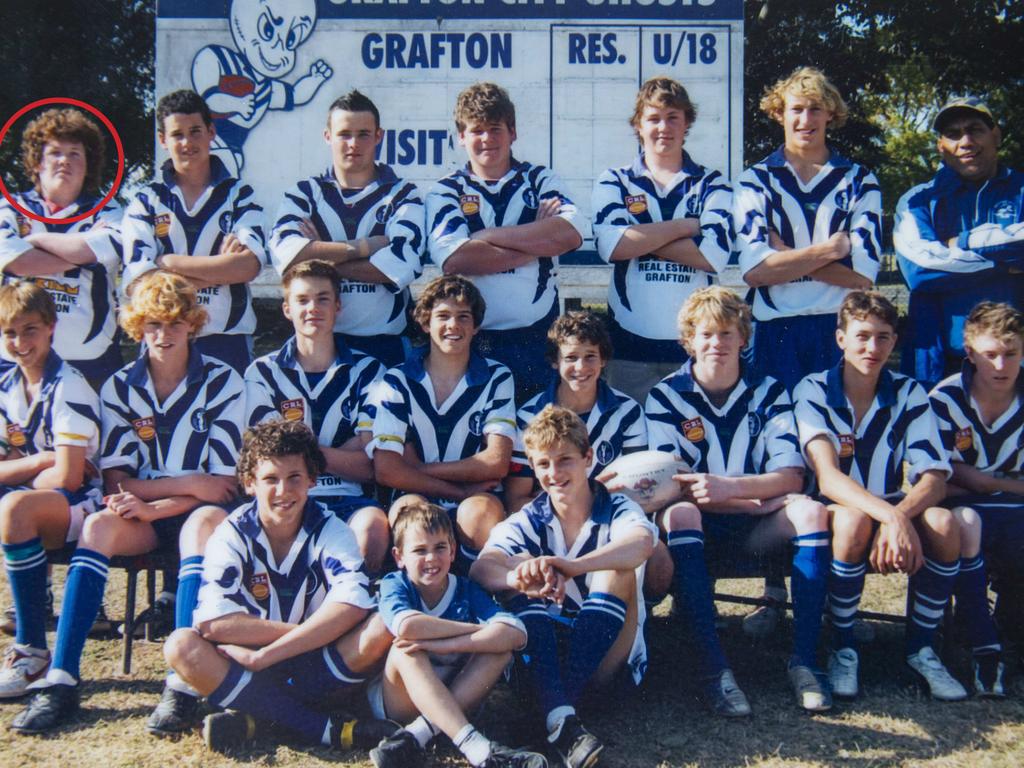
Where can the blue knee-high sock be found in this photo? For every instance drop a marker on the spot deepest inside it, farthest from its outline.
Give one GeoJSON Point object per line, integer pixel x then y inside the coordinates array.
{"type": "Point", "coordinates": [971, 590]}
{"type": "Point", "coordinates": [845, 586]}
{"type": "Point", "coordinates": [597, 625]}
{"type": "Point", "coordinates": [320, 673]}
{"type": "Point", "coordinates": [540, 657]}
{"type": "Point", "coordinates": [811, 558]}
{"type": "Point", "coordinates": [693, 592]}
{"type": "Point", "coordinates": [190, 576]}
{"type": "Point", "coordinates": [262, 695]}
{"type": "Point", "coordinates": [83, 595]}
{"type": "Point", "coordinates": [930, 589]}
{"type": "Point", "coordinates": [26, 572]}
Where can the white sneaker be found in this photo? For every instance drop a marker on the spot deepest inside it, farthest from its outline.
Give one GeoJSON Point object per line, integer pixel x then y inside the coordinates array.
{"type": "Point", "coordinates": [22, 667]}
{"type": "Point", "coordinates": [764, 620]}
{"type": "Point", "coordinates": [811, 694]}
{"type": "Point", "coordinates": [942, 685]}
{"type": "Point", "coordinates": [842, 673]}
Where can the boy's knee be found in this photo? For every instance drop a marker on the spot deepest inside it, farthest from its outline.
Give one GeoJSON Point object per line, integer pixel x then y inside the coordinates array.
{"type": "Point", "coordinates": [658, 573]}
{"type": "Point", "coordinates": [940, 527]}
{"type": "Point", "coordinates": [183, 648]}
{"type": "Point", "coordinates": [476, 516]}
{"type": "Point", "coordinates": [851, 531]}
{"type": "Point", "coordinates": [99, 531]}
{"type": "Point", "coordinates": [15, 516]}
{"type": "Point", "coordinates": [622, 583]}
{"type": "Point", "coordinates": [401, 503]}
{"type": "Point", "coordinates": [370, 525]}
{"type": "Point", "coordinates": [807, 516]}
{"type": "Point", "coordinates": [683, 516]}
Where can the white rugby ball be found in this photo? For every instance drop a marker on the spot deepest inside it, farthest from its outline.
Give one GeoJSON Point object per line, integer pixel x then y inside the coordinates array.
{"type": "Point", "coordinates": [646, 477]}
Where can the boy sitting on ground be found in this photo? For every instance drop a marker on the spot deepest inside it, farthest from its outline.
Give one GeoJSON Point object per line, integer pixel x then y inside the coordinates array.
{"type": "Point", "coordinates": [452, 644]}
{"type": "Point", "coordinates": [283, 620]}
{"type": "Point", "coordinates": [317, 379]}
{"type": "Point", "coordinates": [570, 565]}
{"type": "Point", "coordinates": [50, 422]}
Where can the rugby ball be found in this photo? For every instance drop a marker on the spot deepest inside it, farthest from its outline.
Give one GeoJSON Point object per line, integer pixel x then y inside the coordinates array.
{"type": "Point", "coordinates": [646, 477]}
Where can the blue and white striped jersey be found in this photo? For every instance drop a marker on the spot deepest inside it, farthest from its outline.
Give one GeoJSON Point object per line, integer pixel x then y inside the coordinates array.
{"type": "Point", "coordinates": [66, 412]}
{"type": "Point", "coordinates": [769, 195]}
{"type": "Point", "coordinates": [900, 426]}
{"type": "Point", "coordinates": [535, 531]}
{"type": "Point", "coordinates": [481, 404]}
{"type": "Point", "coordinates": [996, 449]}
{"type": "Point", "coordinates": [460, 204]}
{"type": "Point", "coordinates": [85, 296]}
{"type": "Point", "coordinates": [751, 434]}
{"type": "Point", "coordinates": [987, 221]}
{"type": "Point", "coordinates": [387, 206]}
{"type": "Point", "coordinates": [616, 426]}
{"type": "Point", "coordinates": [241, 575]}
{"type": "Point", "coordinates": [158, 221]}
{"type": "Point", "coordinates": [335, 405]}
{"type": "Point", "coordinates": [645, 294]}
{"type": "Point", "coordinates": [197, 428]}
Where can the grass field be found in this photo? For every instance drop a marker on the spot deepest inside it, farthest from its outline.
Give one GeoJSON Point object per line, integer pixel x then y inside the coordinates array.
{"type": "Point", "coordinates": [891, 724]}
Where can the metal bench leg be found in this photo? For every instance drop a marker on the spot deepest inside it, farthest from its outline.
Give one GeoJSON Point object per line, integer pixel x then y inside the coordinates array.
{"type": "Point", "coordinates": [151, 594]}
{"type": "Point", "coordinates": [129, 621]}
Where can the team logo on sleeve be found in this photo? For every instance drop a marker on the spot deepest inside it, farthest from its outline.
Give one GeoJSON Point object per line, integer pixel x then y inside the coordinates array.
{"type": "Point", "coordinates": [842, 199]}
{"type": "Point", "coordinates": [693, 206]}
{"type": "Point", "coordinates": [605, 453]}
{"type": "Point", "coordinates": [199, 421]}
{"type": "Point", "coordinates": [293, 410]}
{"type": "Point", "coordinates": [259, 586]}
{"type": "Point", "coordinates": [15, 436]}
{"type": "Point", "coordinates": [846, 446]}
{"type": "Point", "coordinates": [964, 439]}
{"type": "Point", "coordinates": [693, 430]}
{"type": "Point", "coordinates": [145, 428]}
{"type": "Point", "coordinates": [476, 423]}
{"type": "Point", "coordinates": [162, 224]}
{"type": "Point", "coordinates": [224, 222]}
{"type": "Point", "coordinates": [470, 204]}
{"type": "Point", "coordinates": [636, 204]}
{"type": "Point", "coordinates": [755, 423]}
{"type": "Point", "coordinates": [24, 226]}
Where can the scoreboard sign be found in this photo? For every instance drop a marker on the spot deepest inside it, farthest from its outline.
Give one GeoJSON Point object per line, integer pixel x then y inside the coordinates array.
{"type": "Point", "coordinates": [270, 68]}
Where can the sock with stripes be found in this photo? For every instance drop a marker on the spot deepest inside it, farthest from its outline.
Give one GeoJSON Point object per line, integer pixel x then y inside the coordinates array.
{"type": "Point", "coordinates": [809, 584]}
{"type": "Point", "coordinates": [971, 590]}
{"type": "Point", "coordinates": [694, 601]}
{"type": "Point", "coordinates": [845, 586]}
{"type": "Point", "coordinates": [190, 576]}
{"type": "Point", "coordinates": [930, 589]}
{"type": "Point", "coordinates": [25, 564]}
{"type": "Point", "coordinates": [262, 695]}
{"type": "Point", "coordinates": [83, 595]}
{"type": "Point", "coordinates": [543, 671]}
{"type": "Point", "coordinates": [595, 630]}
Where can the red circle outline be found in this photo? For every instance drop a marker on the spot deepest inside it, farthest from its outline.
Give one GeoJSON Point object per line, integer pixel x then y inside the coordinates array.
{"type": "Point", "coordinates": [117, 143]}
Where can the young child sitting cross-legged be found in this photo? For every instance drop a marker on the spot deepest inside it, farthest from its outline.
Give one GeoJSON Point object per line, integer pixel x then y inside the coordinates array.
{"type": "Point", "coordinates": [283, 623]}
{"type": "Point", "coordinates": [452, 644]}
{"type": "Point", "coordinates": [570, 565]}
{"type": "Point", "coordinates": [49, 441]}
{"type": "Point", "coordinates": [170, 438]}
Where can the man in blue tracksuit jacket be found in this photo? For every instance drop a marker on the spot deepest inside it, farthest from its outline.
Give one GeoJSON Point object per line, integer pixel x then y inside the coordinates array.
{"type": "Point", "coordinates": [959, 239]}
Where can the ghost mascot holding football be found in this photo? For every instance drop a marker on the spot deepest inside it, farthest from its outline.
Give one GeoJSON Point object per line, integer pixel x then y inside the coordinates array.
{"type": "Point", "coordinates": [240, 84]}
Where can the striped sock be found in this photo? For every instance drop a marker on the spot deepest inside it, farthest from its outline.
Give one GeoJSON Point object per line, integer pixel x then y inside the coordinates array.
{"type": "Point", "coordinates": [809, 585]}
{"type": "Point", "coordinates": [190, 576]}
{"type": "Point", "coordinates": [594, 631]}
{"type": "Point", "coordinates": [845, 586]}
{"type": "Point", "coordinates": [930, 589]}
{"type": "Point", "coordinates": [83, 595]}
{"type": "Point", "coordinates": [971, 590]}
{"type": "Point", "coordinates": [694, 601]}
{"type": "Point", "coordinates": [543, 670]}
{"type": "Point", "coordinates": [25, 564]}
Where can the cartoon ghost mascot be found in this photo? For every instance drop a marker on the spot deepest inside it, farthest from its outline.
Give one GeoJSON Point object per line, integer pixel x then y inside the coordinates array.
{"type": "Point", "coordinates": [240, 84]}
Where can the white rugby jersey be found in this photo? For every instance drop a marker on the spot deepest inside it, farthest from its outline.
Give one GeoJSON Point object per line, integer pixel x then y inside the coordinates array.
{"type": "Point", "coordinates": [157, 222]}
{"type": "Point", "coordinates": [335, 408]}
{"type": "Point", "coordinates": [66, 412]}
{"type": "Point", "coordinates": [85, 297]}
{"type": "Point", "coordinates": [751, 434]}
{"type": "Point", "coordinates": [997, 449]}
{"type": "Point", "coordinates": [481, 404]}
{"type": "Point", "coordinates": [616, 426]}
{"type": "Point", "coordinates": [899, 426]}
{"type": "Point", "coordinates": [387, 206]}
{"type": "Point", "coordinates": [460, 204]}
{"type": "Point", "coordinates": [535, 531]}
{"type": "Point", "coordinates": [645, 294]}
{"type": "Point", "coordinates": [769, 195]}
{"type": "Point", "coordinates": [241, 575]}
{"type": "Point", "coordinates": [197, 428]}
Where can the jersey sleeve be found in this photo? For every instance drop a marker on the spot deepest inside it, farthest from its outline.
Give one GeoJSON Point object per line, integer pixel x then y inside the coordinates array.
{"type": "Point", "coordinates": [391, 424]}
{"type": "Point", "coordinates": [222, 591]}
{"type": "Point", "coordinates": [500, 418]}
{"type": "Point", "coordinates": [397, 601]}
{"type": "Point", "coordinates": [628, 517]}
{"type": "Point", "coordinates": [248, 223]}
{"type": "Point", "coordinates": [635, 437]}
{"type": "Point", "coordinates": [401, 261]}
{"type": "Point", "coordinates": [520, 462]}
{"type": "Point", "coordinates": [105, 241]}
{"type": "Point", "coordinates": [662, 424]}
{"type": "Point", "coordinates": [371, 380]}
{"type": "Point", "coordinates": [551, 187]}
{"type": "Point", "coordinates": [12, 244]}
{"type": "Point", "coordinates": [226, 413]}
{"type": "Point", "coordinates": [782, 445]}
{"type": "Point", "coordinates": [138, 236]}
{"type": "Point", "coordinates": [286, 240]}
{"type": "Point", "coordinates": [343, 567]}
{"type": "Point", "coordinates": [716, 229]}
{"type": "Point", "coordinates": [947, 426]}
{"type": "Point", "coordinates": [749, 214]}
{"type": "Point", "coordinates": [924, 449]}
{"type": "Point", "coordinates": [447, 227]}
{"type": "Point", "coordinates": [487, 611]}
{"type": "Point", "coordinates": [866, 228]}
{"type": "Point", "coordinates": [611, 219]}
{"type": "Point", "coordinates": [120, 448]}
{"type": "Point", "coordinates": [76, 415]}
{"type": "Point", "coordinates": [509, 536]}
{"type": "Point", "coordinates": [259, 403]}
{"type": "Point", "coordinates": [810, 413]}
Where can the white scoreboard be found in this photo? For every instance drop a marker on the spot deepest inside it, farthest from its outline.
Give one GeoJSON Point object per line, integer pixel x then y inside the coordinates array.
{"type": "Point", "coordinates": [270, 68]}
